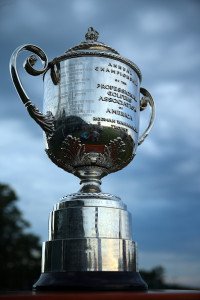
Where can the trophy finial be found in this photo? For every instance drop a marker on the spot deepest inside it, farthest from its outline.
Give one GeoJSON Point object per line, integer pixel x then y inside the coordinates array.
{"type": "Point", "coordinates": [91, 35]}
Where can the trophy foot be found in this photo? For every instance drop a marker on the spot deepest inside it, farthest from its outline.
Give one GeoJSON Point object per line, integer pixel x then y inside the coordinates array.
{"type": "Point", "coordinates": [90, 245]}
{"type": "Point", "coordinates": [114, 281]}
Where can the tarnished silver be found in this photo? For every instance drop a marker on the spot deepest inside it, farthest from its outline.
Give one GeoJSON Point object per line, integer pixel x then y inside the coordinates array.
{"type": "Point", "coordinates": [91, 116]}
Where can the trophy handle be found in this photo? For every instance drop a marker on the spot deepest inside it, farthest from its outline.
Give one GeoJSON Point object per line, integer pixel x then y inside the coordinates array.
{"type": "Point", "coordinates": [45, 121]}
{"type": "Point", "coordinates": [145, 100]}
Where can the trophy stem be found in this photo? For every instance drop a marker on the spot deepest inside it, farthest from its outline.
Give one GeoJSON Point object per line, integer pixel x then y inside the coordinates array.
{"type": "Point", "coordinates": [90, 179]}
{"type": "Point", "coordinates": [90, 185]}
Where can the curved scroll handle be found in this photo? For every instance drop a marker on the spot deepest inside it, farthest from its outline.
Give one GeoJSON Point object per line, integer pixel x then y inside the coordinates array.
{"type": "Point", "coordinates": [45, 121]}
{"type": "Point", "coordinates": [147, 99]}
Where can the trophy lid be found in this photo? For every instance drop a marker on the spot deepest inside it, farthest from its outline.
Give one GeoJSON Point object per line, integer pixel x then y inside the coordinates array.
{"type": "Point", "coordinates": [92, 47]}
{"type": "Point", "coordinates": [91, 43]}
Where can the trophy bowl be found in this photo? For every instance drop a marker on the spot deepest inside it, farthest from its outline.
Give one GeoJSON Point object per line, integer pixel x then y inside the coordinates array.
{"type": "Point", "coordinates": [91, 116]}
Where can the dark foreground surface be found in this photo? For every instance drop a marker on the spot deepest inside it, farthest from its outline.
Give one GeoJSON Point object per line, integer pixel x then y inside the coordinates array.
{"type": "Point", "coordinates": [90, 281]}
{"type": "Point", "coordinates": [72, 295]}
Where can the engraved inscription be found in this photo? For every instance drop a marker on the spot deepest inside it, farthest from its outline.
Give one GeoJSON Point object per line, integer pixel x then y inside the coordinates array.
{"type": "Point", "coordinates": [118, 95]}
{"type": "Point", "coordinates": [94, 91]}
{"type": "Point", "coordinates": [117, 92]}
{"type": "Point", "coordinates": [119, 113]}
{"type": "Point", "coordinates": [126, 125]}
{"type": "Point", "coordinates": [104, 120]}
{"type": "Point", "coordinates": [120, 102]}
{"type": "Point", "coordinates": [117, 70]}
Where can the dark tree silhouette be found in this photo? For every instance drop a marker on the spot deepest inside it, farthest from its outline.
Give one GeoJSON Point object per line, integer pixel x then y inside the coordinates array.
{"type": "Point", "coordinates": [154, 278]}
{"type": "Point", "coordinates": [20, 251]}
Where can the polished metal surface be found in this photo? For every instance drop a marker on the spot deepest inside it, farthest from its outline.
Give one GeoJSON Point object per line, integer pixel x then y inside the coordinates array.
{"type": "Point", "coordinates": [91, 114]}
{"type": "Point", "coordinates": [77, 222]}
{"type": "Point", "coordinates": [91, 107]}
{"type": "Point", "coordinates": [90, 199]}
{"type": "Point", "coordinates": [84, 236]}
{"type": "Point", "coordinates": [89, 255]}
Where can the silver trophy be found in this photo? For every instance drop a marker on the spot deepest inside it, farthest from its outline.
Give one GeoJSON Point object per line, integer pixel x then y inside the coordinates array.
{"type": "Point", "coordinates": [91, 118]}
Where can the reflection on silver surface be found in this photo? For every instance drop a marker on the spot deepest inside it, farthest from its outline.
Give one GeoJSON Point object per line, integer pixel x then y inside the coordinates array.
{"type": "Point", "coordinates": [95, 109]}
{"type": "Point", "coordinates": [89, 238]}
{"type": "Point", "coordinates": [89, 254]}
{"type": "Point", "coordinates": [91, 107]}
{"type": "Point", "coordinates": [91, 116]}
{"type": "Point", "coordinates": [77, 222]}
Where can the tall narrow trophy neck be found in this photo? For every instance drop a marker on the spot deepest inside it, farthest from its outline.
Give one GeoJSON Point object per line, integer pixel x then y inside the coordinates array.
{"type": "Point", "coordinates": [90, 185]}
{"type": "Point", "coordinates": [90, 179]}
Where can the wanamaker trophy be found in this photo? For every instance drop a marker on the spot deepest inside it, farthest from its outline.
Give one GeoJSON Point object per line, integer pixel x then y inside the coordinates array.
{"type": "Point", "coordinates": [91, 116]}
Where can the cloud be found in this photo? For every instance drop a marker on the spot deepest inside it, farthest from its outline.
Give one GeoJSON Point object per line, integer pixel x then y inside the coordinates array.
{"type": "Point", "coordinates": [161, 185]}
{"type": "Point", "coordinates": [27, 168]}
{"type": "Point", "coordinates": [89, 8]}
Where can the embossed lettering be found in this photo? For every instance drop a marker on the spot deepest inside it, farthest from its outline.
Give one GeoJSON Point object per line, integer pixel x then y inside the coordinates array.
{"type": "Point", "coordinates": [117, 89]}
{"type": "Point", "coordinates": [127, 125]}
{"type": "Point", "coordinates": [113, 71]}
{"type": "Point", "coordinates": [117, 101]}
{"type": "Point", "coordinates": [120, 68]}
{"type": "Point", "coordinates": [120, 128]}
{"type": "Point", "coordinates": [98, 119]}
{"type": "Point", "coordinates": [119, 113]}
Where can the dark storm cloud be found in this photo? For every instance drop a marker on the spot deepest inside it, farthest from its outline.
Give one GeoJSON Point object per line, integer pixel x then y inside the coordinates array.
{"type": "Point", "coordinates": [161, 185]}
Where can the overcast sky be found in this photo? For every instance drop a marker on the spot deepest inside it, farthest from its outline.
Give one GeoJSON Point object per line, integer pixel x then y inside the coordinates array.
{"type": "Point", "coordinates": [162, 185]}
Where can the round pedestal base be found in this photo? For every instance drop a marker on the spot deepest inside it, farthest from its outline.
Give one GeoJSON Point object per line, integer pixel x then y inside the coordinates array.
{"type": "Point", "coordinates": [90, 281]}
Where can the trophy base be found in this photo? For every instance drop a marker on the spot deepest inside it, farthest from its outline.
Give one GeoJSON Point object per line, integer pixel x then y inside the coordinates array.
{"type": "Point", "coordinates": [90, 246]}
{"type": "Point", "coordinates": [94, 281]}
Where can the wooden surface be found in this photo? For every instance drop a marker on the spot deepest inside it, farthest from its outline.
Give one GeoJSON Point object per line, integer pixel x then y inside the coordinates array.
{"type": "Point", "coordinates": [182, 295]}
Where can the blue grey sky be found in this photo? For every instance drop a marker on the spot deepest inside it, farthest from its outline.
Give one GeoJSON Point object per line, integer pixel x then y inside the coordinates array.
{"type": "Point", "coordinates": [162, 184]}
